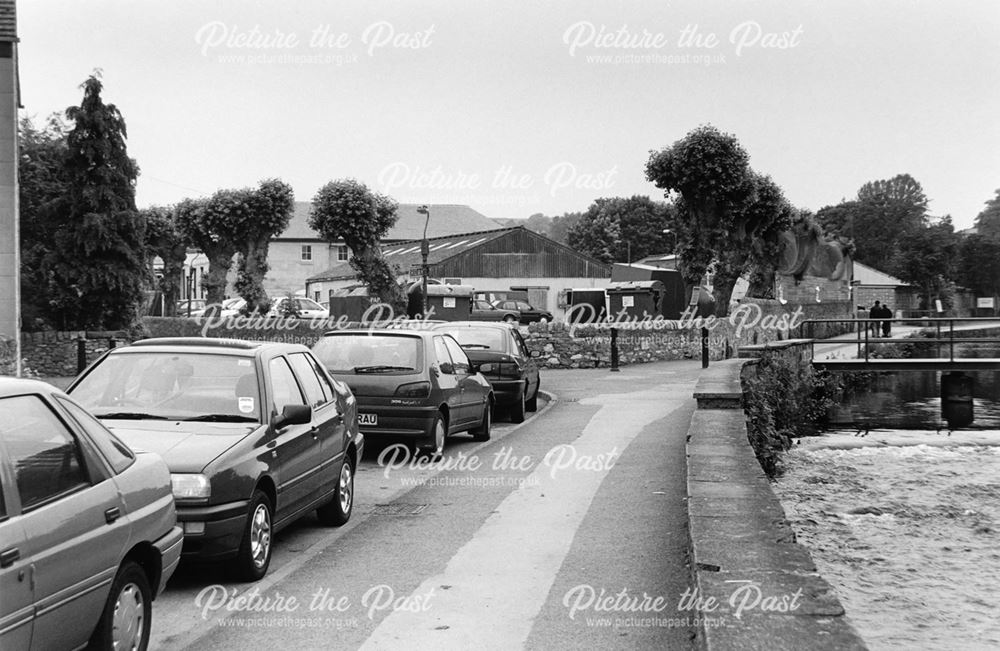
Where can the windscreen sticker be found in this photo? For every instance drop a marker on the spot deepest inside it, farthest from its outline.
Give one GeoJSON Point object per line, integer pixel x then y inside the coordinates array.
{"type": "Point", "coordinates": [246, 405]}
{"type": "Point", "coordinates": [243, 362]}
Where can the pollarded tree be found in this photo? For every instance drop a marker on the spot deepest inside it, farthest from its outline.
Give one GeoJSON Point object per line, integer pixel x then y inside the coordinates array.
{"type": "Point", "coordinates": [97, 263]}
{"type": "Point", "coordinates": [211, 225]}
{"type": "Point", "coordinates": [270, 209]}
{"type": "Point", "coordinates": [619, 229]}
{"type": "Point", "coordinates": [347, 210]}
{"type": "Point", "coordinates": [165, 240]}
{"type": "Point", "coordinates": [710, 171]}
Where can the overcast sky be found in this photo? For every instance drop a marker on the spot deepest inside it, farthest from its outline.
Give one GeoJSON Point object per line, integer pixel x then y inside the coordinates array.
{"type": "Point", "coordinates": [523, 107]}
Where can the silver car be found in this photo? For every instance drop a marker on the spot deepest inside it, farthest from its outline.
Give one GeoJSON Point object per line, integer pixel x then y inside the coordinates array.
{"type": "Point", "coordinates": [88, 530]}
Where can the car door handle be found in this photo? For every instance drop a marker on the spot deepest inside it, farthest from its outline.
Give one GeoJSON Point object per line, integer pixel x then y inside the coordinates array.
{"type": "Point", "coordinates": [314, 431]}
{"type": "Point", "coordinates": [8, 556]}
{"type": "Point", "coordinates": [112, 514]}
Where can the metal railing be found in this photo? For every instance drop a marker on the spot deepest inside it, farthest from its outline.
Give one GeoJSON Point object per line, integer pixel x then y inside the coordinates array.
{"type": "Point", "coordinates": [868, 325]}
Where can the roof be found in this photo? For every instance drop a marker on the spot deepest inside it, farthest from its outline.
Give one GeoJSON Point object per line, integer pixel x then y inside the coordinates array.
{"type": "Point", "coordinates": [445, 219]}
{"type": "Point", "coordinates": [865, 275]}
{"type": "Point", "coordinates": [406, 254]}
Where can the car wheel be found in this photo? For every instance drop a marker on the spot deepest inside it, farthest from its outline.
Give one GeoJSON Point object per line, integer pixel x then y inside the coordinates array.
{"type": "Point", "coordinates": [439, 430]}
{"type": "Point", "coordinates": [254, 554]}
{"type": "Point", "coordinates": [532, 404]}
{"type": "Point", "coordinates": [128, 613]}
{"type": "Point", "coordinates": [338, 510]}
{"type": "Point", "coordinates": [510, 318]}
{"type": "Point", "coordinates": [517, 409]}
{"type": "Point", "coordinates": [543, 320]}
{"type": "Point", "coordinates": [482, 433]}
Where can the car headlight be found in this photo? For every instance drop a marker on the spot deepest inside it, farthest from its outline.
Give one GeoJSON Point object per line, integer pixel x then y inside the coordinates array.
{"type": "Point", "coordinates": [188, 487]}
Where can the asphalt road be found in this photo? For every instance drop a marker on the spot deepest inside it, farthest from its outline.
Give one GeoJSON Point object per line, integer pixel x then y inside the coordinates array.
{"type": "Point", "coordinates": [568, 531]}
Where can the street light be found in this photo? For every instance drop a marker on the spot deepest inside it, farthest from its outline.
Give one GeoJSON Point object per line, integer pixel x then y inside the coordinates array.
{"type": "Point", "coordinates": [424, 251]}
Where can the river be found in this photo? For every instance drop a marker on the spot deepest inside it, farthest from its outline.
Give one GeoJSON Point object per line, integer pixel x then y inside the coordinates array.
{"type": "Point", "coordinates": [905, 523]}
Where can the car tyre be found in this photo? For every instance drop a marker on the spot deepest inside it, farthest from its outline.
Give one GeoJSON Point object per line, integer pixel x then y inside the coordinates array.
{"type": "Point", "coordinates": [532, 403]}
{"type": "Point", "coordinates": [482, 432]}
{"type": "Point", "coordinates": [338, 511]}
{"type": "Point", "coordinates": [518, 408]}
{"type": "Point", "coordinates": [254, 555]}
{"type": "Point", "coordinates": [128, 613]}
{"type": "Point", "coordinates": [439, 431]}
{"type": "Point", "coordinates": [510, 318]}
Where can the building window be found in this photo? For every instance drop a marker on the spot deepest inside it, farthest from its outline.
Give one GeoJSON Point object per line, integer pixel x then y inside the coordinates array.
{"type": "Point", "coordinates": [307, 253]}
{"type": "Point", "coordinates": [316, 296]}
{"type": "Point", "coordinates": [342, 253]}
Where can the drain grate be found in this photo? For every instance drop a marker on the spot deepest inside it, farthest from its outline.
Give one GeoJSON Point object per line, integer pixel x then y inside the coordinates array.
{"type": "Point", "coordinates": [397, 508]}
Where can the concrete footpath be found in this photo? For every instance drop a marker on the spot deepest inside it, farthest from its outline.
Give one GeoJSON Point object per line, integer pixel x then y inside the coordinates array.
{"type": "Point", "coordinates": [746, 562]}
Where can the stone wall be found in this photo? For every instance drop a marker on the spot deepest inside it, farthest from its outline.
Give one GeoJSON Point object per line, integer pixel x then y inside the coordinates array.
{"type": "Point", "coordinates": [555, 345]}
{"type": "Point", "coordinates": [55, 354]}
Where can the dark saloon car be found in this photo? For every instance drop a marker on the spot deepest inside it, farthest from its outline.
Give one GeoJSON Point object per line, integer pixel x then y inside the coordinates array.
{"type": "Point", "coordinates": [255, 435]}
{"type": "Point", "coordinates": [498, 351]}
{"type": "Point", "coordinates": [526, 313]}
{"type": "Point", "coordinates": [414, 384]}
{"type": "Point", "coordinates": [483, 310]}
{"type": "Point", "coordinates": [88, 529]}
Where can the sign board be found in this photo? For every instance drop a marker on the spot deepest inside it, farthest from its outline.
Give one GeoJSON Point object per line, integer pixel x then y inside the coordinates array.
{"type": "Point", "coordinates": [628, 301]}
{"type": "Point", "coordinates": [448, 301]}
{"type": "Point", "coordinates": [984, 302]}
{"type": "Point", "coordinates": [937, 305]}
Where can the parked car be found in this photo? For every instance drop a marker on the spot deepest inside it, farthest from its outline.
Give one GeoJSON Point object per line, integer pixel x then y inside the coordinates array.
{"type": "Point", "coordinates": [483, 310]}
{"type": "Point", "coordinates": [526, 313]}
{"type": "Point", "coordinates": [256, 435]}
{"type": "Point", "coordinates": [306, 308]}
{"type": "Point", "coordinates": [498, 351]}
{"type": "Point", "coordinates": [192, 306]}
{"type": "Point", "coordinates": [88, 529]}
{"type": "Point", "coordinates": [410, 383]}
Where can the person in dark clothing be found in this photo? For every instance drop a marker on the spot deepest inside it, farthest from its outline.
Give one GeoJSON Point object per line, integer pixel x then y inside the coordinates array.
{"type": "Point", "coordinates": [875, 313]}
{"type": "Point", "coordinates": [886, 325]}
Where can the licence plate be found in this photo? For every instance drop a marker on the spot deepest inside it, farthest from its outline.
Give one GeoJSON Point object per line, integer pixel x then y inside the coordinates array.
{"type": "Point", "coordinates": [367, 419]}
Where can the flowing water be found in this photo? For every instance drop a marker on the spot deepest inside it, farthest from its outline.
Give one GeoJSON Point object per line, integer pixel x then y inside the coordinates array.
{"type": "Point", "coordinates": [905, 523]}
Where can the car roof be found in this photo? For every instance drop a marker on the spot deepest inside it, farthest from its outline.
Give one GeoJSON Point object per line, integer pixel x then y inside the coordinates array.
{"type": "Point", "coordinates": [210, 344]}
{"type": "Point", "coordinates": [473, 324]}
{"type": "Point", "coordinates": [13, 386]}
{"type": "Point", "coordinates": [400, 332]}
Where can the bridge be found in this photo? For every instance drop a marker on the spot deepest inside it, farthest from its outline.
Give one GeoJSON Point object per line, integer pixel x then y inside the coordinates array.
{"type": "Point", "coordinates": [949, 333]}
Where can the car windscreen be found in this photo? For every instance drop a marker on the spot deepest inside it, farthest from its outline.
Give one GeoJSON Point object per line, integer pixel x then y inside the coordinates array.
{"type": "Point", "coordinates": [477, 338]}
{"type": "Point", "coordinates": [172, 386]}
{"type": "Point", "coordinates": [369, 353]}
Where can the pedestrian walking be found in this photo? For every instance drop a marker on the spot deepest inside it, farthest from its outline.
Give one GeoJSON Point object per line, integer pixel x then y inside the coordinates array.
{"type": "Point", "coordinates": [886, 325]}
{"type": "Point", "coordinates": [875, 313]}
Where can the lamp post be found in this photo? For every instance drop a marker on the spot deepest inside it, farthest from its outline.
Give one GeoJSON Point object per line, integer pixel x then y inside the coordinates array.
{"type": "Point", "coordinates": [424, 251]}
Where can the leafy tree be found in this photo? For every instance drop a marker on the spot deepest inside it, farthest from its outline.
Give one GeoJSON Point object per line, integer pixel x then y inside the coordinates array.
{"type": "Point", "coordinates": [925, 257]}
{"type": "Point", "coordinates": [884, 211]}
{"type": "Point", "coordinates": [621, 229]}
{"type": "Point", "coordinates": [561, 226]}
{"type": "Point", "coordinates": [711, 172]}
{"type": "Point", "coordinates": [270, 209]}
{"type": "Point", "coordinates": [96, 266]}
{"type": "Point", "coordinates": [979, 264]}
{"type": "Point", "coordinates": [539, 223]}
{"type": "Point", "coordinates": [988, 221]}
{"type": "Point", "coordinates": [42, 179]}
{"type": "Point", "coordinates": [726, 212]}
{"type": "Point", "coordinates": [347, 210]}
{"type": "Point", "coordinates": [212, 225]}
{"type": "Point", "coordinates": [165, 239]}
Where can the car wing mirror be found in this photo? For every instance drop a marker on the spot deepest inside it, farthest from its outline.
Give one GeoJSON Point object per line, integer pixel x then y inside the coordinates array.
{"type": "Point", "coordinates": [293, 415]}
{"type": "Point", "coordinates": [447, 368]}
